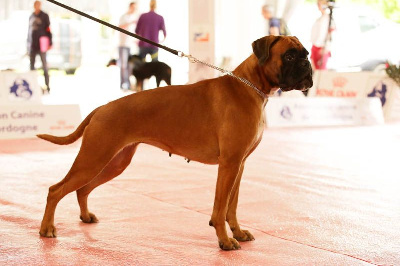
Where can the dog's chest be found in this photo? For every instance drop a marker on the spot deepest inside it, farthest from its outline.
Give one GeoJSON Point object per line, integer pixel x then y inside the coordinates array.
{"type": "Point", "coordinates": [261, 123]}
{"type": "Point", "coordinates": [261, 127]}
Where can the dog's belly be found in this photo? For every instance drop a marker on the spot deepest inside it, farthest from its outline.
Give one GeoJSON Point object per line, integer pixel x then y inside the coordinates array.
{"type": "Point", "coordinates": [179, 120]}
{"type": "Point", "coordinates": [191, 137]}
{"type": "Point", "coordinates": [203, 155]}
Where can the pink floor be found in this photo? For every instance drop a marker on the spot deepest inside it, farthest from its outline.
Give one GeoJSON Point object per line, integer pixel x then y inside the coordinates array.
{"type": "Point", "coordinates": [309, 196]}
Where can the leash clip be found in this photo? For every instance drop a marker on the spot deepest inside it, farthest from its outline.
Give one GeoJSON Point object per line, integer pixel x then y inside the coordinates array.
{"type": "Point", "coordinates": [189, 57]}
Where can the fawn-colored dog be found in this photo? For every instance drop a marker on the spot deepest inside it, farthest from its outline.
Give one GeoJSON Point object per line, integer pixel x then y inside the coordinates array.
{"type": "Point", "coordinates": [216, 121]}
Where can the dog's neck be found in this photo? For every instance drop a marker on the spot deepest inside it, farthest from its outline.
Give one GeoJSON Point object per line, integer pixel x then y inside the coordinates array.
{"type": "Point", "coordinates": [246, 70]}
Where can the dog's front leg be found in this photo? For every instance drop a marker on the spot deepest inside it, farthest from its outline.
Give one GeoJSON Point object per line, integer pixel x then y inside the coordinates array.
{"type": "Point", "coordinates": [231, 218]}
{"type": "Point", "coordinates": [228, 171]}
{"type": "Point", "coordinates": [139, 85]}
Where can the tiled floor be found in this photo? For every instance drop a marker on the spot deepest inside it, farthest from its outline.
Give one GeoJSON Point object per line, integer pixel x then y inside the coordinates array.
{"type": "Point", "coordinates": [309, 196]}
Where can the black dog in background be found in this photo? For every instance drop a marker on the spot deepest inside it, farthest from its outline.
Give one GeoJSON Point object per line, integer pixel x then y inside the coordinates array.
{"type": "Point", "coordinates": [144, 70]}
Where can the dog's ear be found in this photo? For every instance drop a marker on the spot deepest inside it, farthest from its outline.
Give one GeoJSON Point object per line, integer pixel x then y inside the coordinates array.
{"type": "Point", "coordinates": [262, 46]}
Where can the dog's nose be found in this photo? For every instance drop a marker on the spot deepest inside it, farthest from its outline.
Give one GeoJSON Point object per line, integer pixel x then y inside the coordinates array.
{"type": "Point", "coordinates": [305, 63]}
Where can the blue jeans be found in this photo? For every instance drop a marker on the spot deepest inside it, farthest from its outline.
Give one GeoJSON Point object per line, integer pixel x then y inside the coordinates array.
{"type": "Point", "coordinates": [153, 51]}
{"type": "Point", "coordinates": [32, 57]}
{"type": "Point", "coordinates": [124, 53]}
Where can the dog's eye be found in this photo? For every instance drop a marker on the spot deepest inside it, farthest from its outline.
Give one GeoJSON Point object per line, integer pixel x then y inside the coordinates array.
{"type": "Point", "coordinates": [290, 57]}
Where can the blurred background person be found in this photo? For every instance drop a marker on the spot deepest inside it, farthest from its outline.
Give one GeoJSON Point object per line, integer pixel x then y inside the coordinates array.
{"type": "Point", "coordinates": [274, 24]}
{"type": "Point", "coordinates": [127, 22]}
{"type": "Point", "coordinates": [149, 25]}
{"type": "Point", "coordinates": [321, 37]}
{"type": "Point", "coordinates": [39, 39]}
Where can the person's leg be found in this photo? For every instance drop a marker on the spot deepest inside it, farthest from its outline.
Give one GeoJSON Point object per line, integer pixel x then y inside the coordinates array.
{"type": "Point", "coordinates": [126, 72]}
{"type": "Point", "coordinates": [32, 58]}
{"type": "Point", "coordinates": [124, 69]}
{"type": "Point", "coordinates": [315, 57]}
{"type": "Point", "coordinates": [154, 54]}
{"type": "Point", "coordinates": [45, 70]}
{"type": "Point", "coordinates": [143, 52]}
{"type": "Point", "coordinates": [325, 58]}
{"type": "Point", "coordinates": [119, 64]}
{"type": "Point", "coordinates": [152, 51]}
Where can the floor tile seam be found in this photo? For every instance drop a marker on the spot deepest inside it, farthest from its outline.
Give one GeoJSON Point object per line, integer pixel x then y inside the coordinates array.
{"type": "Point", "coordinates": [262, 231]}
{"type": "Point", "coordinates": [310, 245]}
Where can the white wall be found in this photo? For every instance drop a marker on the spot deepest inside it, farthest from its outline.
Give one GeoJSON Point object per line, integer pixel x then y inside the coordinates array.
{"type": "Point", "coordinates": [238, 24]}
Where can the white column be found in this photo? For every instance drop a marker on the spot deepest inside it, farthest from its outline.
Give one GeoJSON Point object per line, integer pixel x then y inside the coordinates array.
{"type": "Point", "coordinates": [201, 38]}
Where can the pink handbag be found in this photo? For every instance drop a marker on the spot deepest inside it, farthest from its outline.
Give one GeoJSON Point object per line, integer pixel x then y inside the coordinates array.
{"type": "Point", "coordinates": [44, 44]}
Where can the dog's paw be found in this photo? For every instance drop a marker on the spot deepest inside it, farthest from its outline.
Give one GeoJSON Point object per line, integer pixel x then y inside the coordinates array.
{"type": "Point", "coordinates": [90, 218]}
{"type": "Point", "coordinates": [49, 231]}
{"type": "Point", "coordinates": [244, 235]}
{"type": "Point", "coordinates": [231, 244]}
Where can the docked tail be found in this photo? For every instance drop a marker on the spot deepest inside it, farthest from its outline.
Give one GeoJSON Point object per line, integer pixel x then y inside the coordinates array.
{"type": "Point", "coordinates": [65, 140]}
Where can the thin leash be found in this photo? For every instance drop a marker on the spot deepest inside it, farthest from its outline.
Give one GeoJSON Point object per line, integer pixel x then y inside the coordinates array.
{"type": "Point", "coordinates": [191, 58]}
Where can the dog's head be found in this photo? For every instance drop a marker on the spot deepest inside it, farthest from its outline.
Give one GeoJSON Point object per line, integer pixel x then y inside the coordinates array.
{"type": "Point", "coordinates": [135, 61]}
{"type": "Point", "coordinates": [284, 62]}
{"type": "Point", "coordinates": [112, 62]}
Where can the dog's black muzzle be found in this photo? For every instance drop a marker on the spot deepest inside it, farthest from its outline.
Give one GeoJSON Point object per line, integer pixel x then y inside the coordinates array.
{"type": "Point", "coordinates": [297, 76]}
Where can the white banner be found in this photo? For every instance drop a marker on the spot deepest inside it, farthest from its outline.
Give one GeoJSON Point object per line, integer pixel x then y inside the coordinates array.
{"type": "Point", "coordinates": [392, 109]}
{"type": "Point", "coordinates": [304, 112]}
{"type": "Point", "coordinates": [26, 121]}
{"type": "Point", "coordinates": [19, 87]}
{"type": "Point", "coordinates": [357, 85]}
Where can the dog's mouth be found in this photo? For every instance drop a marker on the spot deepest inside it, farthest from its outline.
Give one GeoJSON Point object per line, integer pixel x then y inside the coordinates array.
{"type": "Point", "coordinates": [303, 84]}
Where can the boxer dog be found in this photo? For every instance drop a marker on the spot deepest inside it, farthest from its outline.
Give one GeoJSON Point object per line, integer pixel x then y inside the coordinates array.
{"type": "Point", "coordinates": [215, 121]}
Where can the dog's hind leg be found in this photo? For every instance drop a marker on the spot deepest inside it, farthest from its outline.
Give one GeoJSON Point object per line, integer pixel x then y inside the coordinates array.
{"type": "Point", "coordinates": [158, 81]}
{"type": "Point", "coordinates": [114, 168]}
{"type": "Point", "coordinates": [167, 78]}
{"type": "Point", "coordinates": [91, 160]}
{"type": "Point", "coordinates": [231, 218]}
